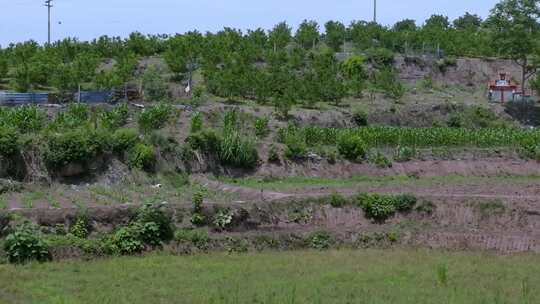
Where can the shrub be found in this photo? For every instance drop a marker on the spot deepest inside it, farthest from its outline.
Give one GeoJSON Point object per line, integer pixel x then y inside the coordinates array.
{"type": "Point", "coordinates": [81, 229]}
{"type": "Point", "coordinates": [115, 118]}
{"type": "Point", "coordinates": [320, 240]}
{"type": "Point", "coordinates": [26, 244]}
{"type": "Point", "coordinates": [296, 146]}
{"type": "Point", "coordinates": [405, 202]}
{"type": "Point", "coordinates": [75, 146]}
{"type": "Point", "coordinates": [8, 141]}
{"type": "Point", "coordinates": [337, 200]}
{"type": "Point", "coordinates": [126, 240]}
{"type": "Point", "coordinates": [381, 207]}
{"type": "Point", "coordinates": [352, 147]}
{"type": "Point", "coordinates": [404, 154]}
{"type": "Point", "coordinates": [380, 160]}
{"type": "Point", "coordinates": [154, 213]}
{"type": "Point", "coordinates": [387, 81]}
{"type": "Point", "coordinates": [360, 118]}
{"type": "Point", "coordinates": [273, 154]}
{"type": "Point", "coordinates": [261, 127]}
{"type": "Point", "coordinates": [380, 56]}
{"type": "Point", "coordinates": [124, 140]}
{"type": "Point", "coordinates": [155, 117]}
{"type": "Point", "coordinates": [199, 239]}
{"type": "Point", "coordinates": [223, 218]}
{"type": "Point", "coordinates": [196, 122]}
{"type": "Point", "coordinates": [238, 151]}
{"type": "Point", "coordinates": [377, 207]}
{"type": "Point", "coordinates": [142, 157]}
{"type": "Point", "coordinates": [25, 118]}
{"type": "Point", "coordinates": [426, 207]}
{"type": "Point", "coordinates": [198, 219]}
{"type": "Point", "coordinates": [207, 141]}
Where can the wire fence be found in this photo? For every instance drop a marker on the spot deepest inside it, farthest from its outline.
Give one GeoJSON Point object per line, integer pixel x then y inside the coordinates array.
{"type": "Point", "coordinates": [88, 97]}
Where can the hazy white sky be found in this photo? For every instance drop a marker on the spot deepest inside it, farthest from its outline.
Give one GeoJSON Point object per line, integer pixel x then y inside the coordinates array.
{"type": "Point", "coordinates": [86, 19]}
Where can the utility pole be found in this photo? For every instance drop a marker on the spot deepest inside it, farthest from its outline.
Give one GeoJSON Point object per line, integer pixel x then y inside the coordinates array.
{"type": "Point", "coordinates": [374, 11]}
{"type": "Point", "coordinates": [48, 4]}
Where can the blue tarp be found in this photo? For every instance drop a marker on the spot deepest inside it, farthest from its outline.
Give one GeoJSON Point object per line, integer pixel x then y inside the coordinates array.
{"type": "Point", "coordinates": [7, 98]}
{"type": "Point", "coordinates": [95, 96]}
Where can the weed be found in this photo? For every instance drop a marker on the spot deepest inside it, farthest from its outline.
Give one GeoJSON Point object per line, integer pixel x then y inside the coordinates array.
{"type": "Point", "coordinates": [490, 208]}
{"type": "Point", "coordinates": [337, 200]}
{"type": "Point", "coordinates": [196, 122]}
{"type": "Point", "coordinates": [442, 274]}
{"type": "Point", "coordinates": [261, 127]}
{"type": "Point", "coordinates": [142, 157]}
{"type": "Point", "coordinates": [320, 240]}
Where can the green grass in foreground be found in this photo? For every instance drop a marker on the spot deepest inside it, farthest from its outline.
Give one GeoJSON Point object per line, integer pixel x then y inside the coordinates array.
{"type": "Point", "coordinates": [401, 276]}
{"type": "Point", "coordinates": [285, 183]}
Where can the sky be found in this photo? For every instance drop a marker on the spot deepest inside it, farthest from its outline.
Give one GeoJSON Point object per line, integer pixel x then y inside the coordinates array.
{"type": "Point", "coordinates": [22, 20]}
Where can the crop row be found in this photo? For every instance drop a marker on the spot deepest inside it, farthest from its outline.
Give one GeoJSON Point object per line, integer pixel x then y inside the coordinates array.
{"type": "Point", "coordinates": [416, 137]}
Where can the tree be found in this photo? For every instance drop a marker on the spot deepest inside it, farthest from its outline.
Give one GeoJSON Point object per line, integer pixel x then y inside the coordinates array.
{"type": "Point", "coordinates": [154, 86]}
{"type": "Point", "coordinates": [468, 22]}
{"type": "Point", "coordinates": [307, 34]}
{"type": "Point", "coordinates": [280, 36]}
{"type": "Point", "coordinates": [406, 25]}
{"type": "Point", "coordinates": [3, 65]}
{"type": "Point", "coordinates": [335, 34]}
{"type": "Point", "coordinates": [355, 73]}
{"type": "Point", "coordinates": [24, 75]}
{"type": "Point", "coordinates": [516, 30]}
{"type": "Point", "coordinates": [184, 53]}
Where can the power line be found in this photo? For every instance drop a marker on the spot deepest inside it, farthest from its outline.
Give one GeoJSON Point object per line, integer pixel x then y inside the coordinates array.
{"type": "Point", "coordinates": [48, 4]}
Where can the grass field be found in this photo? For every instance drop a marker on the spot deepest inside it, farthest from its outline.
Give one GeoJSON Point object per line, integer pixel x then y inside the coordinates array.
{"type": "Point", "coordinates": [400, 276]}
{"type": "Point", "coordinates": [287, 183]}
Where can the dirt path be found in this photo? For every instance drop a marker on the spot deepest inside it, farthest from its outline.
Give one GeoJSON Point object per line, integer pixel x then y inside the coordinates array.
{"type": "Point", "coordinates": [507, 192]}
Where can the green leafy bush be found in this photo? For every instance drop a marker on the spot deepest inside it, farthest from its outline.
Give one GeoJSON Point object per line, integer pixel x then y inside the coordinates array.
{"type": "Point", "coordinates": [404, 154]}
{"type": "Point", "coordinates": [198, 219]}
{"type": "Point", "coordinates": [378, 207]}
{"type": "Point", "coordinates": [320, 240]}
{"type": "Point", "coordinates": [360, 118]}
{"type": "Point", "coordinates": [387, 81]}
{"type": "Point", "coordinates": [207, 141]}
{"type": "Point", "coordinates": [405, 202]}
{"type": "Point", "coordinates": [238, 151]}
{"type": "Point", "coordinates": [124, 140]}
{"type": "Point", "coordinates": [81, 228]}
{"type": "Point", "coordinates": [381, 207]}
{"type": "Point", "coordinates": [26, 244]}
{"type": "Point", "coordinates": [155, 117]}
{"type": "Point", "coordinates": [337, 200]}
{"type": "Point", "coordinates": [380, 57]}
{"type": "Point", "coordinates": [75, 146]}
{"type": "Point", "coordinates": [380, 160]}
{"type": "Point", "coordinates": [8, 141]}
{"type": "Point", "coordinates": [199, 239]}
{"type": "Point", "coordinates": [25, 119]}
{"type": "Point", "coordinates": [115, 118]}
{"type": "Point", "coordinates": [127, 241]}
{"type": "Point", "coordinates": [223, 218]}
{"type": "Point", "coordinates": [154, 213]}
{"type": "Point", "coordinates": [142, 157]}
{"type": "Point", "coordinates": [352, 147]}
